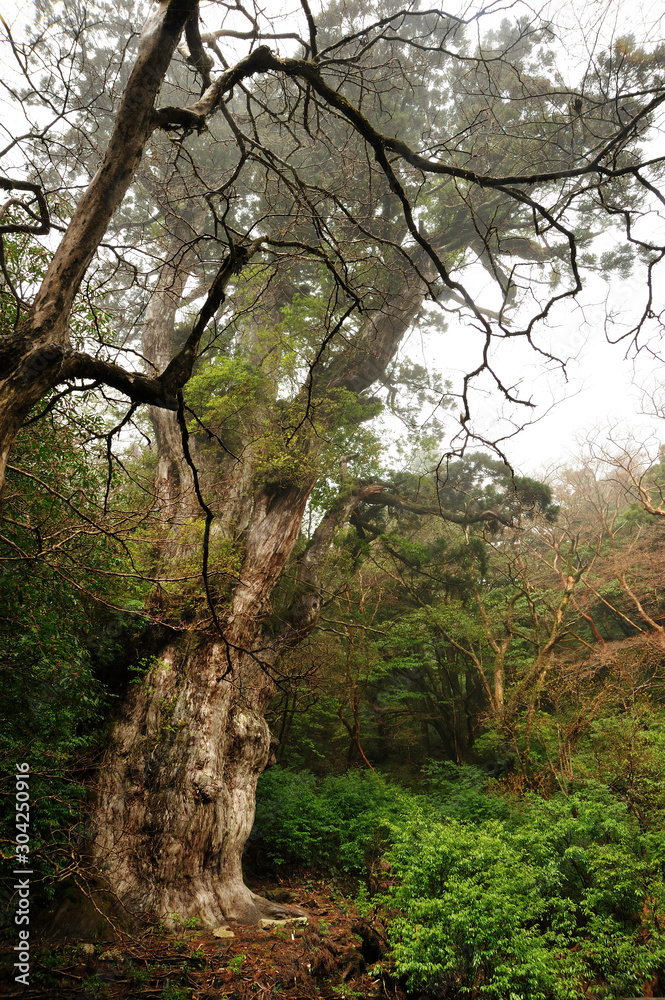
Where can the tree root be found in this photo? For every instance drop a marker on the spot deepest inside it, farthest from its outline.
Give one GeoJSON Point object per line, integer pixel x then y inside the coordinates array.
{"type": "Point", "coordinates": [275, 911]}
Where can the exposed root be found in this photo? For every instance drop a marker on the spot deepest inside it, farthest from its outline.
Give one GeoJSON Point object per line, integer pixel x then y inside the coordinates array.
{"type": "Point", "coordinates": [276, 911]}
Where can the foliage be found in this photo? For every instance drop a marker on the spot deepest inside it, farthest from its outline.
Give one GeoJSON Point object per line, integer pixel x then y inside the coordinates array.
{"type": "Point", "coordinates": [563, 894]}
{"type": "Point", "coordinates": [494, 891]}
{"type": "Point", "coordinates": [58, 637]}
{"type": "Point", "coordinates": [342, 821]}
{"type": "Point", "coordinates": [56, 650]}
{"type": "Point", "coordinates": [472, 909]}
{"type": "Point", "coordinates": [463, 792]}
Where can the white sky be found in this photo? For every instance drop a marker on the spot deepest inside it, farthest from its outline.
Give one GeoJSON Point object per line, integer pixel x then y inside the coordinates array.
{"type": "Point", "coordinates": [604, 388]}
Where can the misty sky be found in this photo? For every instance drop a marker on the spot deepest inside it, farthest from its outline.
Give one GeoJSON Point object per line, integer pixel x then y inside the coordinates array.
{"type": "Point", "coordinates": [608, 385]}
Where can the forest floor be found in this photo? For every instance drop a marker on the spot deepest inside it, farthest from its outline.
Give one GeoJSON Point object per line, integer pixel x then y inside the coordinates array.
{"type": "Point", "coordinates": [326, 960]}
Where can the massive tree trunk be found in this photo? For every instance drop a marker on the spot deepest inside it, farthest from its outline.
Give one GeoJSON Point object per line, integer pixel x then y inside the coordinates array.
{"type": "Point", "coordinates": [177, 787]}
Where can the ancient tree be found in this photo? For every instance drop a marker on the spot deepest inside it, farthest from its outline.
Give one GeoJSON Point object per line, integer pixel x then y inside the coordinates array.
{"type": "Point", "coordinates": [261, 215]}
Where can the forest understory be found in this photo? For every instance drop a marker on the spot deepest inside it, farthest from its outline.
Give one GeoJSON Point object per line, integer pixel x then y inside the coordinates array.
{"type": "Point", "coordinates": [326, 959]}
{"type": "Point", "coordinates": [466, 790]}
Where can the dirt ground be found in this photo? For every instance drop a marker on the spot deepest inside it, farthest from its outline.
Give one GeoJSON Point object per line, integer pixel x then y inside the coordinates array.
{"type": "Point", "coordinates": [337, 955]}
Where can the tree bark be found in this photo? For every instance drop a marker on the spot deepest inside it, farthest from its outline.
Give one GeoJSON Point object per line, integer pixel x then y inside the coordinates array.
{"type": "Point", "coordinates": [176, 791]}
{"type": "Point", "coordinates": [176, 796]}
{"type": "Point", "coordinates": [177, 787]}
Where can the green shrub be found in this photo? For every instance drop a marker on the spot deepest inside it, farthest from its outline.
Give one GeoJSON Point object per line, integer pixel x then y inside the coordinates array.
{"type": "Point", "coordinates": [51, 707]}
{"type": "Point", "coordinates": [460, 791]}
{"type": "Point", "coordinates": [472, 913]}
{"type": "Point", "coordinates": [343, 821]}
{"type": "Point", "coordinates": [56, 642]}
{"type": "Point", "coordinates": [566, 894]}
{"type": "Point", "coordinates": [493, 897]}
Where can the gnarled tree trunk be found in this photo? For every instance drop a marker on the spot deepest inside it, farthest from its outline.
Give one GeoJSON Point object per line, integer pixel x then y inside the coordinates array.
{"type": "Point", "coordinates": [176, 801]}
{"type": "Point", "coordinates": [176, 791]}
{"type": "Point", "coordinates": [177, 787]}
